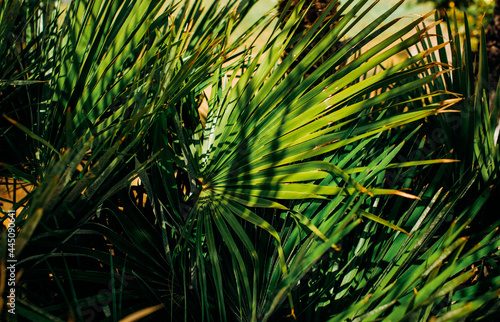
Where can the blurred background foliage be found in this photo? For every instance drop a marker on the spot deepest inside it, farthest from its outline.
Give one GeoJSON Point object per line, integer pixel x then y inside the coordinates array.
{"type": "Point", "coordinates": [480, 13]}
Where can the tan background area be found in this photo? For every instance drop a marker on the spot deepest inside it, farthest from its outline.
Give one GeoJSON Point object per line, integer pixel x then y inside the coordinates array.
{"type": "Point", "coordinates": [12, 191]}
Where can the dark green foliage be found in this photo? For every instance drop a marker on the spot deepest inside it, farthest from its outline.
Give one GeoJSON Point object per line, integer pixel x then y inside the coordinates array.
{"type": "Point", "coordinates": [307, 195]}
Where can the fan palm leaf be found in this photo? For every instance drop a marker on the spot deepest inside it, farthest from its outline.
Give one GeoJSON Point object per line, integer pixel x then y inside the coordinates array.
{"type": "Point", "coordinates": [278, 206]}
{"type": "Point", "coordinates": [260, 149]}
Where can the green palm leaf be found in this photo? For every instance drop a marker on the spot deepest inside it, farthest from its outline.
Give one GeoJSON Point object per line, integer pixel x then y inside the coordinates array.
{"type": "Point", "coordinates": [265, 132]}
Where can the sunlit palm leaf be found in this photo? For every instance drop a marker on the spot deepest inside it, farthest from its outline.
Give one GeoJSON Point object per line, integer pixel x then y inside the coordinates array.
{"type": "Point", "coordinates": [264, 131]}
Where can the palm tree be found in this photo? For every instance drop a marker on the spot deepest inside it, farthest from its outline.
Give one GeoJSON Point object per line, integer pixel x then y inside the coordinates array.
{"type": "Point", "coordinates": [278, 207]}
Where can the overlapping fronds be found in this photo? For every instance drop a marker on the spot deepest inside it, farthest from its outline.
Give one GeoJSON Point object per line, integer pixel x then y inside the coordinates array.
{"type": "Point", "coordinates": [306, 193]}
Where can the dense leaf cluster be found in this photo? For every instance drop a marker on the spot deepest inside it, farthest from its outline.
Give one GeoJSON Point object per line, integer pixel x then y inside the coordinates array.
{"type": "Point", "coordinates": [336, 186]}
